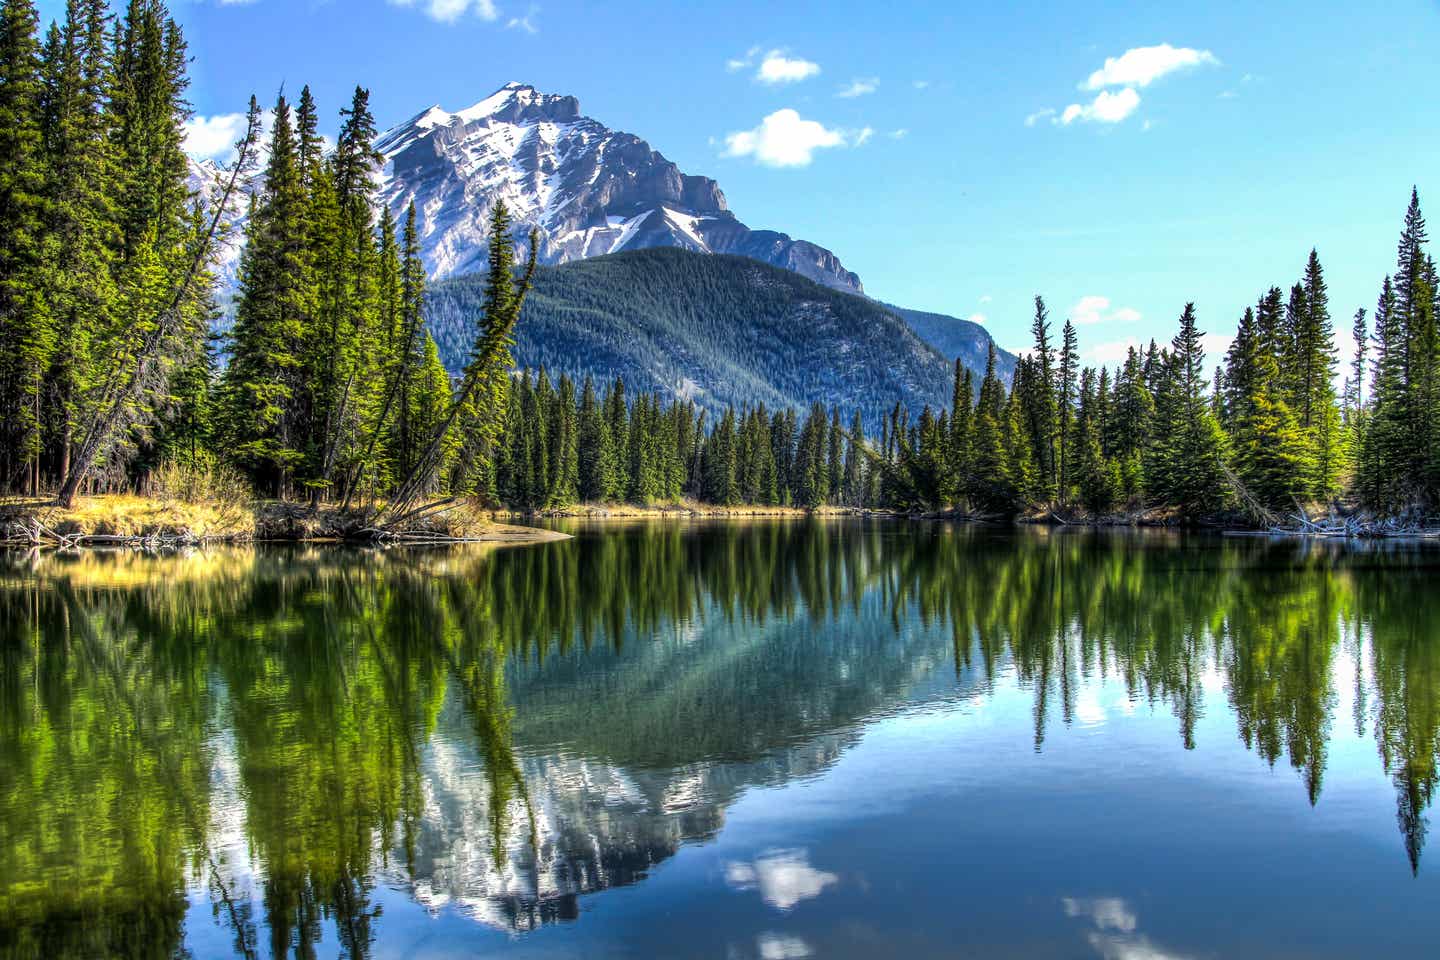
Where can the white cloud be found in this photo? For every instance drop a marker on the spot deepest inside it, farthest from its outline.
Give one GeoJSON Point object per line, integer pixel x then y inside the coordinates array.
{"type": "Point", "coordinates": [1109, 354]}
{"type": "Point", "coordinates": [1115, 936]}
{"type": "Point", "coordinates": [1094, 309]}
{"type": "Point", "coordinates": [859, 87]}
{"type": "Point", "coordinates": [986, 298]}
{"type": "Point", "coordinates": [213, 137]}
{"type": "Point", "coordinates": [921, 84]}
{"type": "Point", "coordinates": [742, 63]}
{"type": "Point", "coordinates": [1107, 913]}
{"type": "Point", "coordinates": [783, 877]}
{"type": "Point", "coordinates": [777, 946]}
{"type": "Point", "coordinates": [783, 139]}
{"type": "Point", "coordinates": [1216, 345]}
{"type": "Point", "coordinates": [900, 133]}
{"type": "Point", "coordinates": [448, 11]}
{"type": "Point", "coordinates": [862, 136]}
{"type": "Point", "coordinates": [778, 68]}
{"type": "Point", "coordinates": [1107, 107]}
{"type": "Point", "coordinates": [1141, 66]}
{"type": "Point", "coordinates": [1135, 68]}
{"type": "Point", "coordinates": [525, 23]}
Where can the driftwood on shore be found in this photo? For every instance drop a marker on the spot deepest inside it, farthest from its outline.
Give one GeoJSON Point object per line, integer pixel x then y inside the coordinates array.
{"type": "Point", "coordinates": [148, 524]}
{"type": "Point", "coordinates": [1356, 526]}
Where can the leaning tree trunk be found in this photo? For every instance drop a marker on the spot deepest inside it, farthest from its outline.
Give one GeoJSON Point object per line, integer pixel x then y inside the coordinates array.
{"type": "Point", "coordinates": [124, 385]}
{"type": "Point", "coordinates": [491, 347]}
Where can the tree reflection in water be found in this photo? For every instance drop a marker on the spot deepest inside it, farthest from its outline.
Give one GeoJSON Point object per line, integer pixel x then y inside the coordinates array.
{"type": "Point", "coordinates": [508, 729]}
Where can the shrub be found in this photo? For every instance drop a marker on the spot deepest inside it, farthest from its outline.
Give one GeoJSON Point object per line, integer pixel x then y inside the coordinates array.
{"type": "Point", "coordinates": [204, 481]}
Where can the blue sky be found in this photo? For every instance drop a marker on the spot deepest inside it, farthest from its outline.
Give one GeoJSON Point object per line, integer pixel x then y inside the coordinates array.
{"type": "Point", "coordinates": [1202, 170]}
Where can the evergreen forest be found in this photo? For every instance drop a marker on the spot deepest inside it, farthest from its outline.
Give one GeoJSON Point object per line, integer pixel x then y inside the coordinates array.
{"type": "Point", "coordinates": [330, 385]}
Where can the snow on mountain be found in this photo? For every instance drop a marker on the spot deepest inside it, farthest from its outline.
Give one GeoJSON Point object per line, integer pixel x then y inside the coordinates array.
{"type": "Point", "coordinates": [587, 189]}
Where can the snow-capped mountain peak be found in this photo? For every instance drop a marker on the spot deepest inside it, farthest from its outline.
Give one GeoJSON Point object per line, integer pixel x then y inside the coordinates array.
{"type": "Point", "coordinates": [589, 190]}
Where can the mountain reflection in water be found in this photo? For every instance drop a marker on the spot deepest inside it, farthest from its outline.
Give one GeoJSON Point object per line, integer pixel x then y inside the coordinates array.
{"type": "Point", "coordinates": [284, 737]}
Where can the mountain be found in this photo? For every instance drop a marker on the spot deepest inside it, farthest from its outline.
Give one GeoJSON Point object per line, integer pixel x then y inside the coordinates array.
{"type": "Point", "coordinates": [589, 190]}
{"type": "Point", "coordinates": [722, 330]}
{"type": "Point", "coordinates": [724, 334]}
{"type": "Point", "coordinates": [956, 338]}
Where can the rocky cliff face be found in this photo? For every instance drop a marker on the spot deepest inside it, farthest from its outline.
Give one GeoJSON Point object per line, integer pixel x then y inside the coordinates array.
{"type": "Point", "coordinates": [587, 189]}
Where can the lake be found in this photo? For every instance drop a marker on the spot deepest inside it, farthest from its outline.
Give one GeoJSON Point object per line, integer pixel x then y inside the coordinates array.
{"type": "Point", "coordinates": [770, 740]}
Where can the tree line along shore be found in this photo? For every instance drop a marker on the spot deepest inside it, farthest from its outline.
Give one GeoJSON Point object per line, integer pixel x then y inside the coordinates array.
{"type": "Point", "coordinates": [327, 391]}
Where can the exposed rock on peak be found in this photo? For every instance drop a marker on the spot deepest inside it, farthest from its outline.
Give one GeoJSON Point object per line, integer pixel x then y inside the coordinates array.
{"type": "Point", "coordinates": [589, 190]}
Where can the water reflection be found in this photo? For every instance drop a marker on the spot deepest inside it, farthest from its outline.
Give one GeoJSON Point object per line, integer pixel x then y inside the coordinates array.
{"type": "Point", "coordinates": [1114, 934]}
{"type": "Point", "coordinates": [783, 877]}
{"type": "Point", "coordinates": [285, 734]}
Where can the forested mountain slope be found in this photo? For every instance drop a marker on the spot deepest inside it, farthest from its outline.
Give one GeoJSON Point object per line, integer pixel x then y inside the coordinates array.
{"type": "Point", "coordinates": [955, 337]}
{"type": "Point", "coordinates": [722, 330]}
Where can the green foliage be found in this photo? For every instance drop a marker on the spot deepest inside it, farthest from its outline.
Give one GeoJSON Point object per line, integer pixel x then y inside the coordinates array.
{"type": "Point", "coordinates": [336, 382]}
{"type": "Point", "coordinates": [27, 335]}
{"type": "Point", "coordinates": [331, 680]}
{"type": "Point", "coordinates": [725, 331]}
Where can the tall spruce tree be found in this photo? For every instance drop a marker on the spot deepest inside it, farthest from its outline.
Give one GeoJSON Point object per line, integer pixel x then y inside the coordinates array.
{"type": "Point", "coordinates": [1066, 390]}
{"type": "Point", "coordinates": [27, 336]}
{"type": "Point", "coordinates": [273, 314]}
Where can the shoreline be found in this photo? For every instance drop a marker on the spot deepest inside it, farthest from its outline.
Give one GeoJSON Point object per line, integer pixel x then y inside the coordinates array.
{"type": "Point", "coordinates": [1159, 519]}
{"type": "Point", "coordinates": [140, 522]}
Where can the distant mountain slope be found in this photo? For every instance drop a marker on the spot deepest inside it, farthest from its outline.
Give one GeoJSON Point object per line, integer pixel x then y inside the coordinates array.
{"type": "Point", "coordinates": [589, 190]}
{"type": "Point", "coordinates": [954, 338]}
{"type": "Point", "coordinates": [720, 329]}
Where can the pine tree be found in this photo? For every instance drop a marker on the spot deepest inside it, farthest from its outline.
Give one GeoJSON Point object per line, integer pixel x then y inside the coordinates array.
{"type": "Point", "coordinates": [1414, 320]}
{"type": "Point", "coordinates": [1272, 453]}
{"type": "Point", "coordinates": [27, 337]}
{"type": "Point", "coordinates": [1065, 399]}
{"type": "Point", "coordinates": [1314, 360]}
{"type": "Point", "coordinates": [1354, 410]}
{"type": "Point", "coordinates": [594, 437]}
{"type": "Point", "coordinates": [1129, 429]}
{"type": "Point", "coordinates": [429, 399]}
{"type": "Point", "coordinates": [263, 383]}
{"type": "Point", "coordinates": [1381, 475]}
{"type": "Point", "coordinates": [480, 402]}
{"type": "Point", "coordinates": [989, 485]}
{"type": "Point", "coordinates": [811, 470]}
{"type": "Point", "coordinates": [853, 485]}
{"type": "Point", "coordinates": [782, 443]}
{"type": "Point", "coordinates": [1184, 466]}
{"type": "Point", "coordinates": [163, 297]}
{"type": "Point", "coordinates": [343, 356]}
{"type": "Point", "coordinates": [564, 445]}
{"type": "Point", "coordinates": [720, 463]}
{"type": "Point", "coordinates": [1040, 395]}
{"type": "Point", "coordinates": [961, 423]}
{"type": "Point", "coordinates": [81, 224]}
{"type": "Point", "coordinates": [1097, 483]}
{"type": "Point", "coordinates": [615, 471]}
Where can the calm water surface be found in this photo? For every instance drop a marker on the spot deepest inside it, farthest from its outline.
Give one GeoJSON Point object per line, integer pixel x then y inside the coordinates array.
{"type": "Point", "coordinates": [765, 740]}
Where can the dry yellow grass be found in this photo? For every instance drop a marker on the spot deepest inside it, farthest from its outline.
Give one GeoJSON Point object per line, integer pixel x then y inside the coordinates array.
{"type": "Point", "coordinates": [173, 519]}
{"type": "Point", "coordinates": [121, 515]}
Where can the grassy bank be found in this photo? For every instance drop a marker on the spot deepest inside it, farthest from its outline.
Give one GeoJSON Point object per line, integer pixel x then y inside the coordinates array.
{"type": "Point", "coordinates": [683, 509]}
{"type": "Point", "coordinates": [143, 520]}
